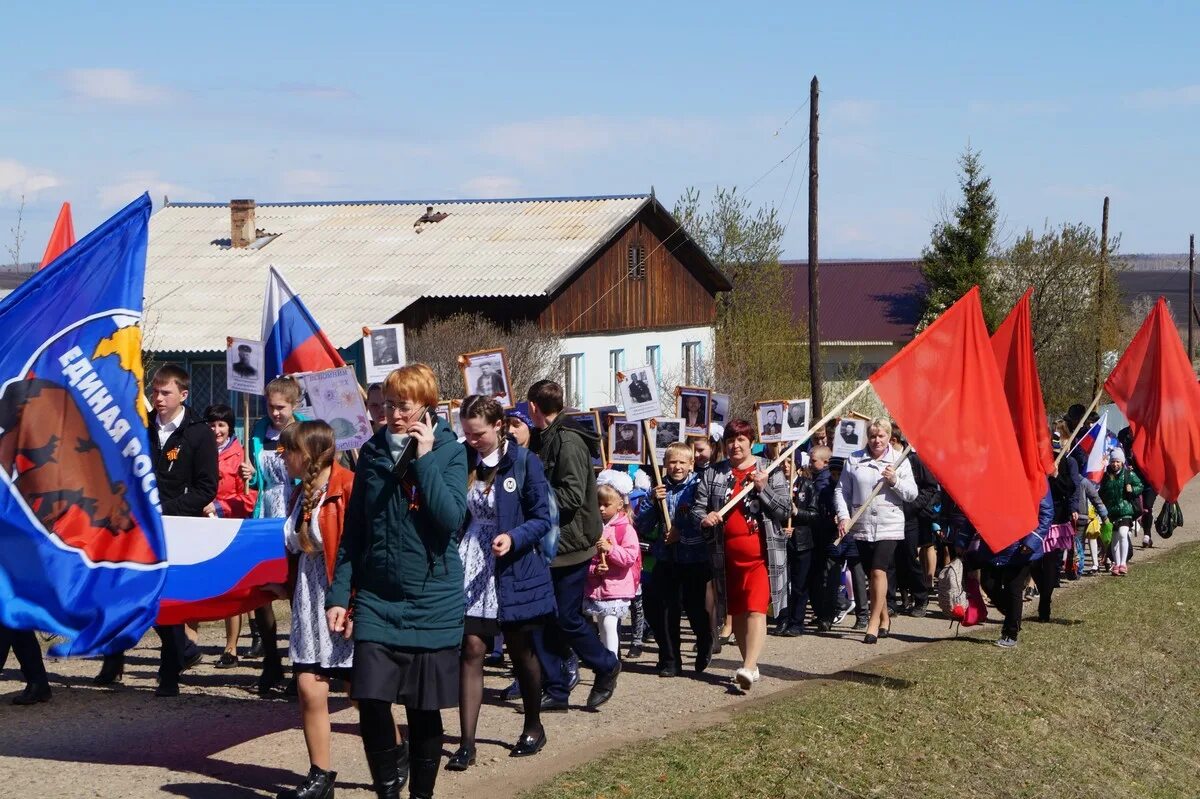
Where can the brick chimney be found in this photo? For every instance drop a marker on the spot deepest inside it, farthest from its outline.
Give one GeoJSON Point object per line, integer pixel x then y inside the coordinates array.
{"type": "Point", "coordinates": [241, 219]}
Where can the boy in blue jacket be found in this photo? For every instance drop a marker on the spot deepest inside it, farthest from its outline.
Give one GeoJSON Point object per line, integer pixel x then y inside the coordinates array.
{"type": "Point", "coordinates": [681, 570]}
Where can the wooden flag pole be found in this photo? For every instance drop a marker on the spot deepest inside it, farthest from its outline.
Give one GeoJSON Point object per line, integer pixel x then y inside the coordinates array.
{"type": "Point", "coordinates": [787, 453]}
{"type": "Point", "coordinates": [246, 424]}
{"type": "Point", "coordinates": [658, 478]}
{"type": "Point", "coordinates": [876, 491]}
{"type": "Point", "coordinates": [787, 531]}
{"type": "Point", "coordinates": [1066, 445]}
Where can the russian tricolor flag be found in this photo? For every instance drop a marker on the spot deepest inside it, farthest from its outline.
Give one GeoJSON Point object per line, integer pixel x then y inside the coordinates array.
{"type": "Point", "coordinates": [218, 567]}
{"type": "Point", "coordinates": [1095, 444]}
{"type": "Point", "coordinates": [292, 340]}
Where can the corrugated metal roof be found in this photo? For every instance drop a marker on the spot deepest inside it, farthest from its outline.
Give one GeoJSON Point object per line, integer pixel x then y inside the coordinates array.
{"type": "Point", "coordinates": [862, 302]}
{"type": "Point", "coordinates": [358, 264]}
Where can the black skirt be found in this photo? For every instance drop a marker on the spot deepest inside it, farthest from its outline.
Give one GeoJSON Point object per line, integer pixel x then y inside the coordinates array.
{"type": "Point", "coordinates": [339, 673]}
{"type": "Point", "coordinates": [421, 679]}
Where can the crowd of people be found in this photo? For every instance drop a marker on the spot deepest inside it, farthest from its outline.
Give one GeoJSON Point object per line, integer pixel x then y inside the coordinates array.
{"type": "Point", "coordinates": [435, 553]}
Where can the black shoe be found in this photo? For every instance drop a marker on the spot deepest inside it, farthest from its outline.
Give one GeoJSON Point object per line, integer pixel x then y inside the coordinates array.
{"type": "Point", "coordinates": [824, 626]}
{"type": "Point", "coordinates": [793, 630]}
{"type": "Point", "coordinates": [112, 671]}
{"type": "Point", "coordinates": [272, 675]}
{"type": "Point", "coordinates": [529, 745]}
{"type": "Point", "coordinates": [228, 660]}
{"type": "Point", "coordinates": [385, 777]}
{"type": "Point", "coordinates": [552, 705]}
{"type": "Point", "coordinates": [512, 692]}
{"type": "Point", "coordinates": [572, 668]}
{"type": "Point", "coordinates": [780, 628]}
{"type": "Point", "coordinates": [33, 694]}
{"type": "Point", "coordinates": [192, 661]}
{"type": "Point", "coordinates": [871, 639]}
{"type": "Point", "coordinates": [919, 611]}
{"type": "Point", "coordinates": [317, 785]}
{"type": "Point", "coordinates": [704, 657]}
{"type": "Point", "coordinates": [884, 632]}
{"type": "Point", "coordinates": [402, 764]}
{"type": "Point", "coordinates": [167, 687]}
{"type": "Point", "coordinates": [424, 777]}
{"type": "Point", "coordinates": [256, 647]}
{"type": "Point", "coordinates": [860, 624]}
{"type": "Point", "coordinates": [668, 670]}
{"type": "Point", "coordinates": [718, 645]}
{"type": "Point", "coordinates": [602, 689]}
{"type": "Point", "coordinates": [635, 652]}
{"type": "Point", "coordinates": [461, 760]}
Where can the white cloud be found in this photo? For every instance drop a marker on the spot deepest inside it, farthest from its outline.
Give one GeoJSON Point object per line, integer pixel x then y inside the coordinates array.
{"type": "Point", "coordinates": [1162, 99]}
{"type": "Point", "coordinates": [110, 85]}
{"type": "Point", "coordinates": [491, 186]}
{"type": "Point", "coordinates": [131, 186]}
{"type": "Point", "coordinates": [16, 179]}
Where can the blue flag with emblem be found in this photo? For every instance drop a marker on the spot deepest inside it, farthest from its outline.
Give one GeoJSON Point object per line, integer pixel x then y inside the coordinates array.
{"type": "Point", "coordinates": [82, 553]}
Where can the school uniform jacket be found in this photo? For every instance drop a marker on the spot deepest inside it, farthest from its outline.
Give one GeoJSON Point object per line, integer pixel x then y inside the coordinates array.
{"type": "Point", "coordinates": [185, 466]}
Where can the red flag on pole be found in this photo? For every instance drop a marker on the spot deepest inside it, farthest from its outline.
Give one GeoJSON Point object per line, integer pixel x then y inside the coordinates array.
{"type": "Point", "coordinates": [62, 238]}
{"type": "Point", "coordinates": [945, 391]}
{"type": "Point", "coordinates": [1156, 388]}
{"type": "Point", "coordinates": [1013, 344]}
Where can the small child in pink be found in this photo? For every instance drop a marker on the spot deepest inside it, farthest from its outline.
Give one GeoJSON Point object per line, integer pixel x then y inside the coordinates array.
{"type": "Point", "coordinates": [616, 570]}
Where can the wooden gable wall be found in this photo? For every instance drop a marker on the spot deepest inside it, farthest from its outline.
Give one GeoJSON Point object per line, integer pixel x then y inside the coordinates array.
{"type": "Point", "coordinates": [601, 298]}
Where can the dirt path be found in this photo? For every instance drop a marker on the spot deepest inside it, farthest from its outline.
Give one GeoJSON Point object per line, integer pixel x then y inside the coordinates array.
{"type": "Point", "coordinates": [219, 740]}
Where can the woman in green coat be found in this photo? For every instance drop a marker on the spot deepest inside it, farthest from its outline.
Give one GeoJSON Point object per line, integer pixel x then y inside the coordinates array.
{"type": "Point", "coordinates": [1120, 488]}
{"type": "Point", "coordinates": [398, 584]}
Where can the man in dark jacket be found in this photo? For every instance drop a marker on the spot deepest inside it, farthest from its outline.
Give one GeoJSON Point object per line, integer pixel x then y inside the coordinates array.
{"type": "Point", "coordinates": [918, 533]}
{"type": "Point", "coordinates": [185, 464]}
{"type": "Point", "coordinates": [566, 452]}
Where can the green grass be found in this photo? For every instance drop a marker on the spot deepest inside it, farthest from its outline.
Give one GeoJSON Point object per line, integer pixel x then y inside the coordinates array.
{"type": "Point", "coordinates": [1106, 704]}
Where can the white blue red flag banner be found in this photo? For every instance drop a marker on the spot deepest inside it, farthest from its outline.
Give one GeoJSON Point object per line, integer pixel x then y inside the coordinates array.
{"type": "Point", "coordinates": [219, 567]}
{"type": "Point", "coordinates": [292, 340]}
{"type": "Point", "coordinates": [1096, 443]}
{"type": "Point", "coordinates": [82, 553]}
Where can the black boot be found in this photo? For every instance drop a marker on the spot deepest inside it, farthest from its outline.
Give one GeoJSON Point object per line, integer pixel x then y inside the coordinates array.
{"type": "Point", "coordinates": [402, 764]}
{"type": "Point", "coordinates": [272, 675]}
{"type": "Point", "coordinates": [112, 671]}
{"type": "Point", "coordinates": [256, 647]}
{"type": "Point", "coordinates": [424, 775]}
{"type": "Point", "coordinates": [385, 774]}
{"type": "Point", "coordinates": [33, 694]}
{"type": "Point", "coordinates": [317, 785]}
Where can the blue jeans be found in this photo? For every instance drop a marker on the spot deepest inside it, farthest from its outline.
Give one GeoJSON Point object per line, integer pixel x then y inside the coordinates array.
{"type": "Point", "coordinates": [570, 631]}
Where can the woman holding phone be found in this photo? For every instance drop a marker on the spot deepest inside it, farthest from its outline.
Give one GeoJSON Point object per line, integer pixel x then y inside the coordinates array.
{"type": "Point", "coordinates": [398, 584]}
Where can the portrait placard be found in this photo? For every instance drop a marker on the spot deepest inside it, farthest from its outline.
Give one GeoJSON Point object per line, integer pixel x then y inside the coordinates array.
{"type": "Point", "coordinates": [849, 436]}
{"type": "Point", "coordinates": [625, 441]}
{"type": "Point", "coordinates": [337, 400]}
{"type": "Point", "coordinates": [795, 419]}
{"type": "Point", "coordinates": [486, 373]}
{"type": "Point", "coordinates": [667, 430]}
{"type": "Point", "coordinates": [693, 405]}
{"type": "Point", "coordinates": [244, 366]}
{"type": "Point", "coordinates": [639, 393]}
{"type": "Point", "coordinates": [383, 351]}
{"type": "Point", "coordinates": [769, 416]}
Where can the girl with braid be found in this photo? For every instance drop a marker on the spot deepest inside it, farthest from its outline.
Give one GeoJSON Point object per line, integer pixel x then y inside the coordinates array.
{"type": "Point", "coordinates": [313, 532]}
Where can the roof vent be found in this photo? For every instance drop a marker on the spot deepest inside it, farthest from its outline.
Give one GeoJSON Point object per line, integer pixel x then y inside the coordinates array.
{"type": "Point", "coordinates": [428, 218]}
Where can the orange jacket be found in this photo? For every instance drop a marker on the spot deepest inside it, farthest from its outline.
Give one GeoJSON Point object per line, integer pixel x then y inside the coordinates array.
{"type": "Point", "coordinates": [331, 518]}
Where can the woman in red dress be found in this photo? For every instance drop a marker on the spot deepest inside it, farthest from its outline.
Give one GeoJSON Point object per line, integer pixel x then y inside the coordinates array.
{"type": "Point", "coordinates": [749, 551]}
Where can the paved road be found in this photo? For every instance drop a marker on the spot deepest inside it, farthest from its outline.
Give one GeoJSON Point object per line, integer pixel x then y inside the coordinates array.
{"type": "Point", "coordinates": [219, 740]}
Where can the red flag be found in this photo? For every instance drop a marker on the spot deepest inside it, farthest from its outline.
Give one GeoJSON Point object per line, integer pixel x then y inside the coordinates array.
{"type": "Point", "coordinates": [1156, 388]}
{"type": "Point", "coordinates": [63, 236]}
{"type": "Point", "coordinates": [1013, 344]}
{"type": "Point", "coordinates": [945, 391]}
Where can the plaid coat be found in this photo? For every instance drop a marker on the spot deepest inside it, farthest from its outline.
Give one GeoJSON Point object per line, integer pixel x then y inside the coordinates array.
{"type": "Point", "coordinates": [770, 507]}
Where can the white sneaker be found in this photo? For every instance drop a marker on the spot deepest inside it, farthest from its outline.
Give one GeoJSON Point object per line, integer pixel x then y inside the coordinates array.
{"type": "Point", "coordinates": [1006, 643]}
{"type": "Point", "coordinates": [745, 678]}
{"type": "Point", "coordinates": [842, 614]}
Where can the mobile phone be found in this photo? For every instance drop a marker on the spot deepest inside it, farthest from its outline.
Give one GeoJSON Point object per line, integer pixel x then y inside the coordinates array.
{"type": "Point", "coordinates": [409, 453]}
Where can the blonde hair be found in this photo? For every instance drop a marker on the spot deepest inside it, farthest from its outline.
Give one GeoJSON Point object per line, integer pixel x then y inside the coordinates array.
{"type": "Point", "coordinates": [610, 493]}
{"type": "Point", "coordinates": [286, 387]}
{"type": "Point", "coordinates": [415, 382]}
{"type": "Point", "coordinates": [315, 442]}
{"type": "Point", "coordinates": [880, 424]}
{"type": "Point", "coordinates": [679, 448]}
{"type": "Point", "coordinates": [823, 452]}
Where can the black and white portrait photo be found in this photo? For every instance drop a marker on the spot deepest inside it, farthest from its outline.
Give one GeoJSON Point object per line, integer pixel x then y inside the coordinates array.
{"type": "Point", "coordinates": [719, 405]}
{"type": "Point", "coordinates": [383, 351]}
{"type": "Point", "coordinates": [625, 443]}
{"type": "Point", "coordinates": [692, 405]}
{"type": "Point", "coordinates": [638, 393]}
{"type": "Point", "coordinates": [589, 421]}
{"type": "Point", "coordinates": [795, 421]}
{"type": "Point", "coordinates": [244, 366]}
{"type": "Point", "coordinates": [486, 373]}
{"type": "Point", "coordinates": [849, 436]}
{"type": "Point", "coordinates": [667, 431]}
{"type": "Point", "coordinates": [769, 416]}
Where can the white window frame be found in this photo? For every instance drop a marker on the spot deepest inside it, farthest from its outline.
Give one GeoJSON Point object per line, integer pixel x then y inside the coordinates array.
{"type": "Point", "coordinates": [572, 368]}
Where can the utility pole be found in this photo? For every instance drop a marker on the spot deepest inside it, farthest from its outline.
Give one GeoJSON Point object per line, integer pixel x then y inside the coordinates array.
{"type": "Point", "coordinates": [814, 299]}
{"type": "Point", "coordinates": [1191, 292]}
{"type": "Point", "coordinates": [1100, 299]}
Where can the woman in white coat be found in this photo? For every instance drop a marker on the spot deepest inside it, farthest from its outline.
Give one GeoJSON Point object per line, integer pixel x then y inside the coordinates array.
{"type": "Point", "coordinates": [881, 525]}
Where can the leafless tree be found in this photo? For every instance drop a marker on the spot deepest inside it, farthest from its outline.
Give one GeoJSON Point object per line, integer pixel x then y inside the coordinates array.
{"type": "Point", "coordinates": [18, 235]}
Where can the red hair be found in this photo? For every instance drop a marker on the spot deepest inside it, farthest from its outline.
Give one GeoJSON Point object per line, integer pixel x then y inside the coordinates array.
{"type": "Point", "coordinates": [738, 427]}
{"type": "Point", "coordinates": [415, 383]}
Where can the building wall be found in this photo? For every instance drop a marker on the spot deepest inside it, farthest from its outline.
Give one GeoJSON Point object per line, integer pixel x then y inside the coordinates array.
{"type": "Point", "coordinates": [604, 298]}
{"type": "Point", "coordinates": [595, 367]}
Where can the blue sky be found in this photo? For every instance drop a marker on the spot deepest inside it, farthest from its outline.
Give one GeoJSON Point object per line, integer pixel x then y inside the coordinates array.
{"type": "Point", "coordinates": [306, 101]}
